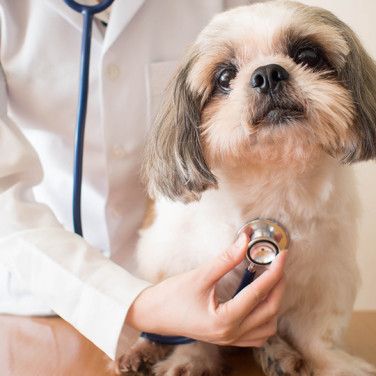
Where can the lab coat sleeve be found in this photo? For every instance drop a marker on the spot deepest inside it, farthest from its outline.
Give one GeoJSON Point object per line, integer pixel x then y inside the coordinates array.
{"type": "Point", "coordinates": [71, 277]}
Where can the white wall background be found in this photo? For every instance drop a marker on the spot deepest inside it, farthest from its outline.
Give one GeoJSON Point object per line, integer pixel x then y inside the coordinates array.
{"type": "Point", "coordinates": [360, 16]}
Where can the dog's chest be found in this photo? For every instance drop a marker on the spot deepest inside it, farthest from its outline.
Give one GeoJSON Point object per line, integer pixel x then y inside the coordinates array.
{"type": "Point", "coordinates": [185, 236]}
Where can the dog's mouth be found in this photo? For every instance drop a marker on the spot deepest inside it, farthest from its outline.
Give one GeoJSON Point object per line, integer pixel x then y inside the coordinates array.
{"type": "Point", "coordinates": [283, 115]}
{"type": "Point", "coordinates": [277, 112]}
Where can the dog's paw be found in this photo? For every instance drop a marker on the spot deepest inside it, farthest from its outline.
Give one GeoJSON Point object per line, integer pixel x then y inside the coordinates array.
{"type": "Point", "coordinates": [140, 358]}
{"type": "Point", "coordinates": [278, 358]}
{"type": "Point", "coordinates": [196, 359]}
{"type": "Point", "coordinates": [184, 366]}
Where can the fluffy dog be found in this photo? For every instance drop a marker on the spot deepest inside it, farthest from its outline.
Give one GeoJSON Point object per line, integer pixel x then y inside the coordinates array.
{"type": "Point", "coordinates": [267, 109]}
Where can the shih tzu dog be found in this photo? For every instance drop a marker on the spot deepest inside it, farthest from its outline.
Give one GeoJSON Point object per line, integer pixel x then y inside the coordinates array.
{"type": "Point", "coordinates": [267, 109]}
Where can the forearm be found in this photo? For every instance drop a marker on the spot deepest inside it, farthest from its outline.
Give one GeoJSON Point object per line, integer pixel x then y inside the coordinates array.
{"type": "Point", "coordinates": [77, 282]}
{"type": "Point", "coordinates": [73, 278]}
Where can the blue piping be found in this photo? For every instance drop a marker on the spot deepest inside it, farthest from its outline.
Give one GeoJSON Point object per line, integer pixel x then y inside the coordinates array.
{"type": "Point", "coordinates": [87, 12]}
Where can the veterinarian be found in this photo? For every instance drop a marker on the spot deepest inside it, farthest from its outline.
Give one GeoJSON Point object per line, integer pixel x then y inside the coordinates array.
{"type": "Point", "coordinates": [44, 267]}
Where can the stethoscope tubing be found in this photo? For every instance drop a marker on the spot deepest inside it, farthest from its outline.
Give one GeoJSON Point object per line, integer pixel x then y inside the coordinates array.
{"type": "Point", "coordinates": [87, 11]}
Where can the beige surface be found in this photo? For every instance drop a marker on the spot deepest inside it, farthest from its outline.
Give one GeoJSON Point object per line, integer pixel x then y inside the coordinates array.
{"type": "Point", "coordinates": [51, 347]}
{"type": "Point", "coordinates": [360, 16]}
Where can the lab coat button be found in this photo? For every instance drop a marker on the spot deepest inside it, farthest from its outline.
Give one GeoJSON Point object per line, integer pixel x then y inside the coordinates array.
{"type": "Point", "coordinates": [119, 152]}
{"type": "Point", "coordinates": [112, 72]}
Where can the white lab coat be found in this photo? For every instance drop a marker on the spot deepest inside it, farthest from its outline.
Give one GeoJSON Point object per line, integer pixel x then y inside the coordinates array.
{"type": "Point", "coordinates": [131, 61]}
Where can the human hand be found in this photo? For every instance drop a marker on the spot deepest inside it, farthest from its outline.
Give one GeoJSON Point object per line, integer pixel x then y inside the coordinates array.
{"type": "Point", "coordinates": [186, 304]}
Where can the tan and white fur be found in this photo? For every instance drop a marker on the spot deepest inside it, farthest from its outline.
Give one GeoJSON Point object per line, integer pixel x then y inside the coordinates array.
{"type": "Point", "coordinates": [239, 138]}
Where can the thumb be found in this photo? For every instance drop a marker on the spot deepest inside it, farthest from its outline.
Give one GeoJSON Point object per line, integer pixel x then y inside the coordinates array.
{"type": "Point", "coordinates": [216, 268]}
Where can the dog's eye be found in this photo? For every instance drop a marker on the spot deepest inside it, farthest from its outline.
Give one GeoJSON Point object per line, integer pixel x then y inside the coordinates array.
{"type": "Point", "coordinates": [310, 57]}
{"type": "Point", "coordinates": [224, 79]}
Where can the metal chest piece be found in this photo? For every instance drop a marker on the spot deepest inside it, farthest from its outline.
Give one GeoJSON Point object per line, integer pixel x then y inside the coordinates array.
{"type": "Point", "coordinates": [267, 238]}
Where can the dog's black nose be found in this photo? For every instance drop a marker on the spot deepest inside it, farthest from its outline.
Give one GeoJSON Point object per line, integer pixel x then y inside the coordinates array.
{"type": "Point", "coordinates": [268, 78]}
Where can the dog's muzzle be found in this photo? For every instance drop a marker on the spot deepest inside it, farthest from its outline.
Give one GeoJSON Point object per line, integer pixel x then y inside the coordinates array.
{"type": "Point", "coordinates": [275, 100]}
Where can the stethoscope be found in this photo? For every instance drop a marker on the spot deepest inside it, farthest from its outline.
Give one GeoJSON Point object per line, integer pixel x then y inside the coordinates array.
{"type": "Point", "coordinates": [267, 238]}
{"type": "Point", "coordinates": [88, 12]}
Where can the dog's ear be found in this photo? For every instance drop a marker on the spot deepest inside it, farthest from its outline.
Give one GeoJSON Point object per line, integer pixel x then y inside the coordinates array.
{"type": "Point", "coordinates": [359, 77]}
{"type": "Point", "coordinates": [175, 165]}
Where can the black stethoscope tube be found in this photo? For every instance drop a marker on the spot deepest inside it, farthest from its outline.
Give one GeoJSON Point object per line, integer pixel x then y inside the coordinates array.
{"type": "Point", "coordinates": [87, 12]}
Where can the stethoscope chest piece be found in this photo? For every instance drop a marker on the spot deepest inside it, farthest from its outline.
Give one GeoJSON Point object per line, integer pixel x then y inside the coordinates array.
{"type": "Point", "coordinates": [267, 238]}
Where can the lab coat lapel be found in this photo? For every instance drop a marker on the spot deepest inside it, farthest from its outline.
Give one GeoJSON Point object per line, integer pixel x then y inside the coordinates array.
{"type": "Point", "coordinates": [122, 13]}
{"type": "Point", "coordinates": [73, 17]}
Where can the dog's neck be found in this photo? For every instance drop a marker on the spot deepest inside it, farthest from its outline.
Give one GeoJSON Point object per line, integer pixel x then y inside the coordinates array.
{"type": "Point", "coordinates": [264, 189]}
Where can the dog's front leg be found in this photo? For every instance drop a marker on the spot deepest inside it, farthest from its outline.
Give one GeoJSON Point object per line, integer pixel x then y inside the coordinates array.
{"type": "Point", "coordinates": [277, 358]}
{"type": "Point", "coordinates": [311, 348]}
{"type": "Point", "coordinates": [194, 359]}
{"type": "Point", "coordinates": [141, 357]}
{"type": "Point", "coordinates": [313, 320]}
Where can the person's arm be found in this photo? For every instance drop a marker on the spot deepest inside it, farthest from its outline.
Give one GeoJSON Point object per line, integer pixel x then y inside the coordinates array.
{"type": "Point", "coordinates": [71, 277]}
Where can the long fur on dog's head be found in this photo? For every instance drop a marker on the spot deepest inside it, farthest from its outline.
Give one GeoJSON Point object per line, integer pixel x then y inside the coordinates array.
{"type": "Point", "coordinates": [215, 112]}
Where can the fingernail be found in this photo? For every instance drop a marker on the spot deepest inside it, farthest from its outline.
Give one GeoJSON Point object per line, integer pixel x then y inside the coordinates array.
{"type": "Point", "coordinates": [284, 253]}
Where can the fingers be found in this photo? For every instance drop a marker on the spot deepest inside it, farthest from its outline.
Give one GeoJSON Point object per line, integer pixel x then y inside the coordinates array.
{"type": "Point", "coordinates": [246, 300]}
{"type": "Point", "coordinates": [215, 269]}
{"type": "Point", "coordinates": [251, 315]}
{"type": "Point", "coordinates": [267, 310]}
{"type": "Point", "coordinates": [261, 323]}
{"type": "Point", "coordinates": [257, 337]}
{"type": "Point", "coordinates": [253, 338]}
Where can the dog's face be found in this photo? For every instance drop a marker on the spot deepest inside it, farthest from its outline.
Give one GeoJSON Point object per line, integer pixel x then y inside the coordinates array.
{"type": "Point", "coordinates": [274, 82]}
